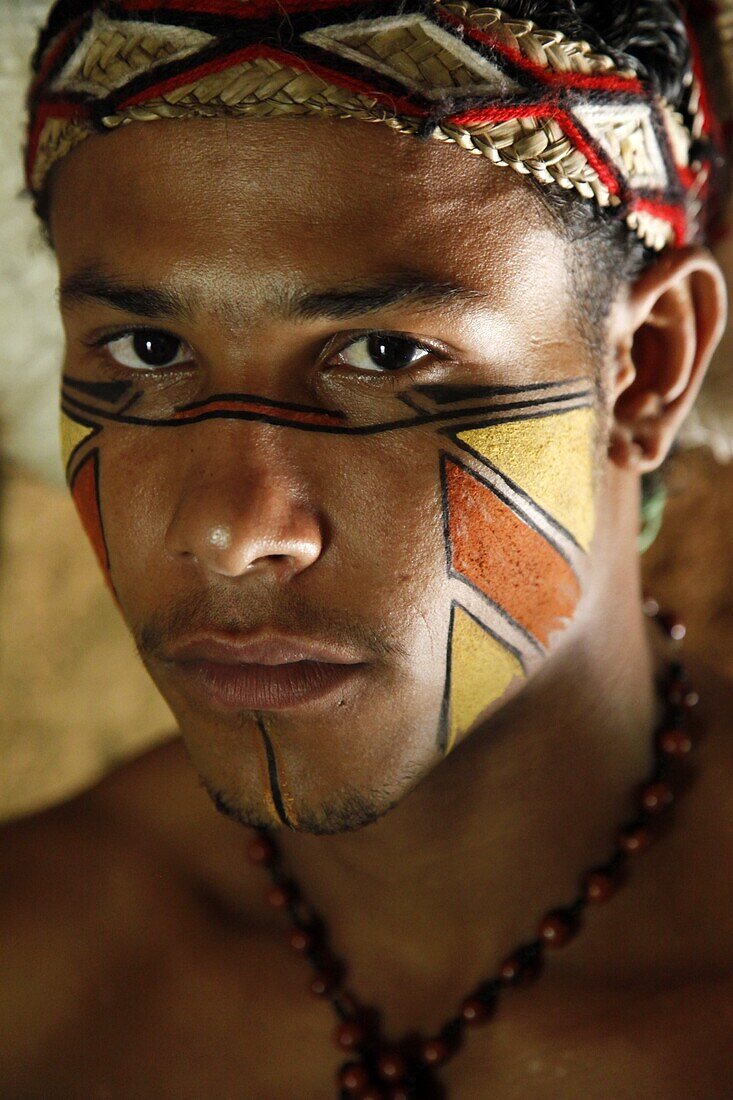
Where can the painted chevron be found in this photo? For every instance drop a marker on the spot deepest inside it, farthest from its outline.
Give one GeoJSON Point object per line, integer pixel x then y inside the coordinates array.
{"type": "Point", "coordinates": [514, 478]}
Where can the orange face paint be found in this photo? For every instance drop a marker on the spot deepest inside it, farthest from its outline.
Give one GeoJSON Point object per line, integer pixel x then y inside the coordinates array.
{"type": "Point", "coordinates": [85, 493]}
{"type": "Point", "coordinates": [508, 561]}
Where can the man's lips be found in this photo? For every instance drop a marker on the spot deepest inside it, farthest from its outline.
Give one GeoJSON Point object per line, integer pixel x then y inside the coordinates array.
{"type": "Point", "coordinates": [263, 671]}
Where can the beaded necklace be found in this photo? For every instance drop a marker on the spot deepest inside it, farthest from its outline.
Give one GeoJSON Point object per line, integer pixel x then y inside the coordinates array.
{"type": "Point", "coordinates": [407, 1071]}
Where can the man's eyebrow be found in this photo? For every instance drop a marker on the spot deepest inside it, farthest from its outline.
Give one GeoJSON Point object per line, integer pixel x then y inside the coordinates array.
{"type": "Point", "coordinates": [416, 289]}
{"type": "Point", "coordinates": [338, 303]}
{"type": "Point", "coordinates": [93, 285]}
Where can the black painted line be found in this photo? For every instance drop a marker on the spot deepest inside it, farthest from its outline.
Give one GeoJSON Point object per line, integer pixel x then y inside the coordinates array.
{"type": "Point", "coordinates": [530, 638]}
{"type": "Point", "coordinates": [524, 495]}
{"type": "Point", "coordinates": [568, 404]}
{"type": "Point", "coordinates": [442, 394]}
{"type": "Point", "coordinates": [274, 778]}
{"type": "Point", "coordinates": [445, 705]}
{"type": "Point", "coordinates": [443, 731]}
{"type": "Point", "coordinates": [453, 573]}
{"type": "Point", "coordinates": [493, 415]}
{"type": "Point", "coordinates": [514, 507]}
{"type": "Point", "coordinates": [111, 392]}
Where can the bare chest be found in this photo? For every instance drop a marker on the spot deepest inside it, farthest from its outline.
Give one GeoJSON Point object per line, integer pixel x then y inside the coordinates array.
{"type": "Point", "coordinates": [242, 1025]}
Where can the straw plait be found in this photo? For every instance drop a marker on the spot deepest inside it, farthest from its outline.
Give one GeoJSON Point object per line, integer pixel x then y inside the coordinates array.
{"type": "Point", "coordinates": [535, 100]}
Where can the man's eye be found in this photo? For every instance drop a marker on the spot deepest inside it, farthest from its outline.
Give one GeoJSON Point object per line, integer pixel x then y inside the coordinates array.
{"type": "Point", "coordinates": [147, 349]}
{"type": "Point", "coordinates": [378, 353]}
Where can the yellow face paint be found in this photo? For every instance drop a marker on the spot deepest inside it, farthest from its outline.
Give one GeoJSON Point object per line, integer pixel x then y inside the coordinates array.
{"type": "Point", "coordinates": [72, 433]}
{"type": "Point", "coordinates": [519, 513]}
{"type": "Point", "coordinates": [481, 670]}
{"type": "Point", "coordinates": [550, 459]}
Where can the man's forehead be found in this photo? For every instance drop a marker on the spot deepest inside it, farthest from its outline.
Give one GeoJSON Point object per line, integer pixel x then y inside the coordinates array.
{"type": "Point", "coordinates": [284, 229]}
{"type": "Point", "coordinates": [314, 170]}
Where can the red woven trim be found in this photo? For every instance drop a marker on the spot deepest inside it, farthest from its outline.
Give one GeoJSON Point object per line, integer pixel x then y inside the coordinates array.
{"type": "Point", "coordinates": [54, 52]}
{"type": "Point", "coordinates": [292, 61]}
{"type": "Point", "coordinates": [686, 176]}
{"type": "Point", "coordinates": [674, 215]}
{"type": "Point", "coordinates": [598, 82]}
{"type": "Point", "coordinates": [45, 110]}
{"type": "Point", "coordinates": [598, 162]}
{"type": "Point", "coordinates": [236, 9]}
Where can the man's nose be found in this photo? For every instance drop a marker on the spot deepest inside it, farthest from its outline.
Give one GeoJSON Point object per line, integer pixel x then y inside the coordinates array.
{"type": "Point", "coordinates": [245, 521]}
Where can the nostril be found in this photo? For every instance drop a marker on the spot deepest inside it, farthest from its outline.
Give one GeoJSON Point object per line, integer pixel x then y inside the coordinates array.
{"type": "Point", "coordinates": [278, 560]}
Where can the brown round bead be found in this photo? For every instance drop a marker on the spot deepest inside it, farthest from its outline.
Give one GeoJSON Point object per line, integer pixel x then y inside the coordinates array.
{"type": "Point", "coordinates": [473, 1011]}
{"type": "Point", "coordinates": [300, 940]}
{"type": "Point", "coordinates": [392, 1067]}
{"type": "Point", "coordinates": [353, 1077]}
{"type": "Point", "coordinates": [398, 1092]}
{"type": "Point", "coordinates": [650, 607]}
{"type": "Point", "coordinates": [520, 968]}
{"type": "Point", "coordinates": [558, 928]}
{"type": "Point", "coordinates": [635, 839]}
{"type": "Point", "coordinates": [656, 797]}
{"type": "Point", "coordinates": [279, 896]}
{"type": "Point", "coordinates": [372, 1092]}
{"type": "Point", "coordinates": [323, 983]}
{"type": "Point", "coordinates": [673, 626]}
{"type": "Point", "coordinates": [261, 850]}
{"type": "Point", "coordinates": [348, 1035]}
{"type": "Point", "coordinates": [676, 743]}
{"type": "Point", "coordinates": [599, 885]}
{"type": "Point", "coordinates": [434, 1052]}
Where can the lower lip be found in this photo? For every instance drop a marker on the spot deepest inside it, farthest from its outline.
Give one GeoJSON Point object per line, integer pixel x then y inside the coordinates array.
{"type": "Point", "coordinates": [265, 687]}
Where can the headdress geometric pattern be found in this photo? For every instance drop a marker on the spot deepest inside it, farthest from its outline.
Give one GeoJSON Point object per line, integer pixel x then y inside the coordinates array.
{"type": "Point", "coordinates": [525, 97]}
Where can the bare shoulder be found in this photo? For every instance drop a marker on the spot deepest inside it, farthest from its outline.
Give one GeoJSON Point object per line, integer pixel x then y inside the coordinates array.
{"type": "Point", "coordinates": [126, 968]}
{"type": "Point", "coordinates": [82, 893]}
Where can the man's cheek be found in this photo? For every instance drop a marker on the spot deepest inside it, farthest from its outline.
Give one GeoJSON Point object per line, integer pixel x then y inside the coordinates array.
{"type": "Point", "coordinates": [519, 516]}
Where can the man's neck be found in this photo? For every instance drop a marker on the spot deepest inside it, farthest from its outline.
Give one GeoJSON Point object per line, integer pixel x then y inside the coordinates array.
{"type": "Point", "coordinates": [447, 883]}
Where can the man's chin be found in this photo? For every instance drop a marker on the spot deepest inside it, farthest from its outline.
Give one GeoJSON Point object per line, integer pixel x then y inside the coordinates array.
{"type": "Point", "coordinates": [344, 813]}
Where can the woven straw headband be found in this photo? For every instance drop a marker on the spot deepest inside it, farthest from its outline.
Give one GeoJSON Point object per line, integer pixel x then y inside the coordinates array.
{"type": "Point", "coordinates": [547, 106]}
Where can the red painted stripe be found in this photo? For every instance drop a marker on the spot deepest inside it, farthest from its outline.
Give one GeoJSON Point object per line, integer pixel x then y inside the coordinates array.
{"type": "Point", "coordinates": [292, 61]}
{"type": "Point", "coordinates": [297, 416]}
{"type": "Point", "coordinates": [606, 173]}
{"type": "Point", "coordinates": [85, 492]}
{"type": "Point", "coordinates": [611, 83]}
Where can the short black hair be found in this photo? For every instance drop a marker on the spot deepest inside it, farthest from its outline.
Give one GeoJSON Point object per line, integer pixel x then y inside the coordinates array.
{"type": "Point", "coordinates": [651, 37]}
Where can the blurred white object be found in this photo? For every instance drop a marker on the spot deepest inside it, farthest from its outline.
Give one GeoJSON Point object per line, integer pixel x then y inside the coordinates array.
{"type": "Point", "coordinates": [31, 331]}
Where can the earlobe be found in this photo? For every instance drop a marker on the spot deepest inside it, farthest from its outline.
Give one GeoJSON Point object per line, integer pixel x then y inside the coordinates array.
{"type": "Point", "coordinates": [664, 334]}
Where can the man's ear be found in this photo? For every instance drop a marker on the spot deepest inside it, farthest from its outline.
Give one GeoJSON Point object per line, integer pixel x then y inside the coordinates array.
{"type": "Point", "coordinates": [664, 331]}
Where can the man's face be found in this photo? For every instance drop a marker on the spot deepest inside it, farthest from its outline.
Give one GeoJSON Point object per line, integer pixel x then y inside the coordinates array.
{"type": "Point", "coordinates": [309, 431]}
